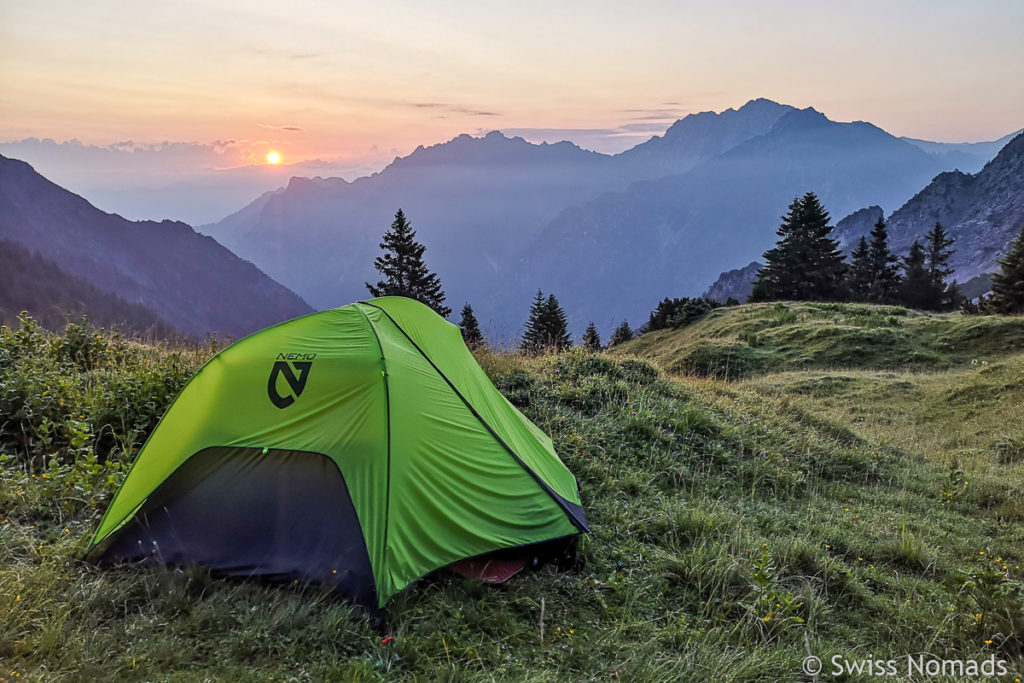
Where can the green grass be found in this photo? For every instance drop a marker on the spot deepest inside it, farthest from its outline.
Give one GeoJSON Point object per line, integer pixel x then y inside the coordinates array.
{"type": "Point", "coordinates": [741, 341]}
{"type": "Point", "coordinates": [736, 525]}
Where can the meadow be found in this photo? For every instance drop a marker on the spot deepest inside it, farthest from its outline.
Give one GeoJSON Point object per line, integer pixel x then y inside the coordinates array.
{"type": "Point", "coordinates": [774, 481]}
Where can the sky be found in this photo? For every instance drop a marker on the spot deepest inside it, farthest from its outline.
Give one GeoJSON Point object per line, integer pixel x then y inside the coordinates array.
{"type": "Point", "coordinates": [344, 87]}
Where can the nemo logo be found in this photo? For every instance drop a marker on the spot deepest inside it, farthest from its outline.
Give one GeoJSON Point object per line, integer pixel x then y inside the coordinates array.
{"type": "Point", "coordinates": [295, 374]}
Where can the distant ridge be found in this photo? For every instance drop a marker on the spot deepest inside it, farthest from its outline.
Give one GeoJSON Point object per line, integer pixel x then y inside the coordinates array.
{"type": "Point", "coordinates": [699, 137]}
{"type": "Point", "coordinates": [473, 201]}
{"type": "Point", "coordinates": [734, 284]}
{"type": "Point", "coordinates": [53, 296]}
{"type": "Point", "coordinates": [983, 212]}
{"type": "Point", "coordinates": [968, 157]}
{"type": "Point", "coordinates": [188, 280]}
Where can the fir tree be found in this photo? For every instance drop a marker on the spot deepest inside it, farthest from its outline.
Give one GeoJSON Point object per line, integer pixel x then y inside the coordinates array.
{"type": "Point", "coordinates": [858, 277]}
{"type": "Point", "coordinates": [403, 269]}
{"type": "Point", "coordinates": [915, 290]}
{"type": "Point", "coordinates": [558, 326]}
{"type": "Point", "coordinates": [623, 333]}
{"type": "Point", "coordinates": [546, 328]}
{"type": "Point", "coordinates": [805, 263]}
{"type": "Point", "coordinates": [1008, 284]}
{"type": "Point", "coordinates": [883, 266]}
{"type": "Point", "coordinates": [534, 335]}
{"type": "Point", "coordinates": [470, 327]}
{"type": "Point", "coordinates": [591, 339]}
{"type": "Point", "coordinates": [937, 252]}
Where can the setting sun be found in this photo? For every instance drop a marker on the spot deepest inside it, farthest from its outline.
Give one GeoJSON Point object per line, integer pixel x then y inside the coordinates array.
{"type": "Point", "coordinates": [273, 158]}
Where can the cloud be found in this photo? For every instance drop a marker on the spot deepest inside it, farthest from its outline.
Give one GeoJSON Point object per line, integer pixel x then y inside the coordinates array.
{"type": "Point", "coordinates": [453, 108]}
{"type": "Point", "coordinates": [132, 162]}
{"type": "Point", "coordinates": [605, 140]}
{"type": "Point", "coordinates": [653, 127]}
{"type": "Point", "coordinates": [664, 113]}
{"type": "Point", "coordinates": [290, 129]}
{"type": "Point", "coordinates": [561, 133]}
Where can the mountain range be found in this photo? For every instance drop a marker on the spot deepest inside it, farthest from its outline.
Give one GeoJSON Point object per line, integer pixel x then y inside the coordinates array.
{"type": "Point", "coordinates": [609, 235]}
{"type": "Point", "coordinates": [169, 274]}
{"type": "Point", "coordinates": [502, 217]}
{"type": "Point", "coordinates": [670, 237]}
{"type": "Point", "coordinates": [473, 201]}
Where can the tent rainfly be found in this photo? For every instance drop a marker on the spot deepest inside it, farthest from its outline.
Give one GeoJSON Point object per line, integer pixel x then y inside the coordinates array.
{"type": "Point", "coordinates": [360, 447]}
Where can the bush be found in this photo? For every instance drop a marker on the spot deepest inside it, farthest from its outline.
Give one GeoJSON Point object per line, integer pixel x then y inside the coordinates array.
{"type": "Point", "coordinates": [54, 386]}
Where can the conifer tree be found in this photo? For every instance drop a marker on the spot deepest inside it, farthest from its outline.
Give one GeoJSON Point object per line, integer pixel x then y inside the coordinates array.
{"type": "Point", "coordinates": [405, 273]}
{"type": "Point", "coordinates": [534, 334]}
{"type": "Point", "coordinates": [591, 339]}
{"type": "Point", "coordinates": [915, 290]}
{"type": "Point", "coordinates": [1008, 284]}
{"type": "Point", "coordinates": [937, 252]}
{"type": "Point", "coordinates": [858, 277]}
{"type": "Point", "coordinates": [883, 266]}
{"type": "Point", "coordinates": [547, 327]}
{"type": "Point", "coordinates": [470, 327]}
{"type": "Point", "coordinates": [805, 263]}
{"type": "Point", "coordinates": [557, 325]}
{"type": "Point", "coordinates": [623, 333]}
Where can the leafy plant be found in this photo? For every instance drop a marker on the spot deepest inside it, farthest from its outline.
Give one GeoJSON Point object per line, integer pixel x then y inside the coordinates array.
{"type": "Point", "coordinates": [773, 608]}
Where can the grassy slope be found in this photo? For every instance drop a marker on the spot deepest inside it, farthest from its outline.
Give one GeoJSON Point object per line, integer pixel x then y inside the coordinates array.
{"type": "Point", "coordinates": [735, 525]}
{"type": "Point", "coordinates": [732, 343]}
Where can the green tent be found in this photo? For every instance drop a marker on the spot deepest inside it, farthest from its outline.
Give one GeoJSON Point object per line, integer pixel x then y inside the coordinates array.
{"type": "Point", "coordinates": [360, 447]}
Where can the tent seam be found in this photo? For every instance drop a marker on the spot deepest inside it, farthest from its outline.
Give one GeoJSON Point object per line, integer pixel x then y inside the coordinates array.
{"type": "Point", "coordinates": [387, 421]}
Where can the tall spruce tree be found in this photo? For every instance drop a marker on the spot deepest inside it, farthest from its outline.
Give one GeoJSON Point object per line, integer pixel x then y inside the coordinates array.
{"type": "Point", "coordinates": [805, 263]}
{"type": "Point", "coordinates": [915, 289]}
{"type": "Point", "coordinates": [1008, 284]}
{"type": "Point", "coordinates": [546, 328]}
{"type": "Point", "coordinates": [937, 247]}
{"type": "Point", "coordinates": [470, 327]}
{"type": "Point", "coordinates": [623, 333]}
{"type": "Point", "coordinates": [937, 252]}
{"type": "Point", "coordinates": [403, 269]}
{"type": "Point", "coordinates": [591, 339]}
{"type": "Point", "coordinates": [883, 265]}
{"type": "Point", "coordinates": [534, 334]}
{"type": "Point", "coordinates": [558, 325]}
{"type": "Point", "coordinates": [858, 276]}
